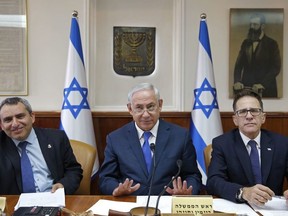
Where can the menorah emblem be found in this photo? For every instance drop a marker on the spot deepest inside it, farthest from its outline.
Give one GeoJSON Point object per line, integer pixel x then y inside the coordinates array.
{"type": "Point", "coordinates": [134, 40]}
{"type": "Point", "coordinates": [134, 50]}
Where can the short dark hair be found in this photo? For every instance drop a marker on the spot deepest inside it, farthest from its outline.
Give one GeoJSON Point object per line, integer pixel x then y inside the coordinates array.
{"type": "Point", "coordinates": [247, 92]}
{"type": "Point", "coordinates": [15, 101]}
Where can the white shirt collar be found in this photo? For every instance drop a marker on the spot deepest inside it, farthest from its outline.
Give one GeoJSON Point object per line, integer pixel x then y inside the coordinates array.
{"type": "Point", "coordinates": [247, 139]}
{"type": "Point", "coordinates": [153, 130]}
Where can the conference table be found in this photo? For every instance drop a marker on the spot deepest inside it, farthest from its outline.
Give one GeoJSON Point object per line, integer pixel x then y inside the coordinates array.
{"type": "Point", "coordinates": [76, 203]}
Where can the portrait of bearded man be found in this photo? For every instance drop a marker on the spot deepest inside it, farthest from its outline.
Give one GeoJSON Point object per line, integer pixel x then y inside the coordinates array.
{"type": "Point", "coordinates": [258, 62]}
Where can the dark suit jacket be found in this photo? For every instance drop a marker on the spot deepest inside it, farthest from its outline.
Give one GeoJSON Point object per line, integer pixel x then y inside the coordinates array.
{"type": "Point", "coordinates": [259, 67]}
{"type": "Point", "coordinates": [59, 158]}
{"type": "Point", "coordinates": [230, 167]}
{"type": "Point", "coordinates": [124, 159]}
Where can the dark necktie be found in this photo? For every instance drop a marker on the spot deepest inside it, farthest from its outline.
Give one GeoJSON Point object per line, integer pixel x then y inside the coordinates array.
{"type": "Point", "coordinates": [254, 157]}
{"type": "Point", "coordinates": [26, 170]}
{"type": "Point", "coordinates": [146, 150]}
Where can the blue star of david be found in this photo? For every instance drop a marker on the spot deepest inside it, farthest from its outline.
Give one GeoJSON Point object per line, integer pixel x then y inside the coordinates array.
{"type": "Point", "coordinates": [200, 104]}
{"type": "Point", "coordinates": [81, 93]}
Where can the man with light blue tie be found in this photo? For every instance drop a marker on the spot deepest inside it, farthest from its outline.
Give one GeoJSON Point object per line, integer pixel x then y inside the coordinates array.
{"type": "Point", "coordinates": [128, 165]}
{"type": "Point", "coordinates": [248, 164]}
{"type": "Point", "coordinates": [33, 159]}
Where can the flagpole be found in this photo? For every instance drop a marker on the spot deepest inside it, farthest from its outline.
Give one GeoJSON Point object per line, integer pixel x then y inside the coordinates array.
{"type": "Point", "coordinates": [203, 16]}
{"type": "Point", "coordinates": [75, 14]}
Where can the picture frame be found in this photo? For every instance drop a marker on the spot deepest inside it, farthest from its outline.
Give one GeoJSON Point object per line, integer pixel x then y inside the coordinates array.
{"type": "Point", "coordinates": [256, 63]}
{"type": "Point", "coordinates": [13, 48]}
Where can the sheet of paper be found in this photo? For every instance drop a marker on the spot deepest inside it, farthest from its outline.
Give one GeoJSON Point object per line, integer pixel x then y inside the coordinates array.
{"type": "Point", "coordinates": [165, 202]}
{"type": "Point", "coordinates": [102, 206]}
{"type": "Point", "coordinates": [2, 203]}
{"type": "Point", "coordinates": [226, 206]}
{"type": "Point", "coordinates": [56, 199]}
{"type": "Point", "coordinates": [278, 206]}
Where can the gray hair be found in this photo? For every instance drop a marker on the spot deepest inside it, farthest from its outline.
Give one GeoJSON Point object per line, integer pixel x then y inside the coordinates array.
{"type": "Point", "coordinates": [140, 87]}
{"type": "Point", "coordinates": [15, 101]}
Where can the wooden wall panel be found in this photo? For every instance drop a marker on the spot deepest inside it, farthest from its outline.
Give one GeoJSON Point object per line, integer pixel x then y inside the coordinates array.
{"type": "Point", "coordinates": [106, 122]}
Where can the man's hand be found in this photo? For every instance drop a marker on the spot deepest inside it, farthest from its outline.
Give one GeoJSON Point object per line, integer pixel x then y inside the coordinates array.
{"type": "Point", "coordinates": [258, 194]}
{"type": "Point", "coordinates": [238, 86]}
{"type": "Point", "coordinates": [179, 188]}
{"type": "Point", "coordinates": [56, 186]}
{"type": "Point", "coordinates": [258, 88]}
{"type": "Point", "coordinates": [125, 188]}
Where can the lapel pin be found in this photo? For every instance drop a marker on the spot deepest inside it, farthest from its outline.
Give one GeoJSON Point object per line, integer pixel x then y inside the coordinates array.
{"type": "Point", "coordinates": [49, 146]}
{"type": "Point", "coordinates": [269, 149]}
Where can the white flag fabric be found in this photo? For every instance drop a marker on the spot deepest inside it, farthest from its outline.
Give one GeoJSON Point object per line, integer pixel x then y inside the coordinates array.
{"type": "Point", "coordinates": [76, 117]}
{"type": "Point", "coordinates": [205, 116]}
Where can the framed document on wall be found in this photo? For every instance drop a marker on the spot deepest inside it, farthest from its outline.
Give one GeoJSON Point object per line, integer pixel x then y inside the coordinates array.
{"type": "Point", "coordinates": [256, 51]}
{"type": "Point", "coordinates": [13, 47]}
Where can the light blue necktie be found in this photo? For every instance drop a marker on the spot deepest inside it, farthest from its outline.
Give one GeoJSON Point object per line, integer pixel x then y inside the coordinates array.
{"type": "Point", "coordinates": [146, 150]}
{"type": "Point", "coordinates": [26, 170]}
{"type": "Point", "coordinates": [254, 157]}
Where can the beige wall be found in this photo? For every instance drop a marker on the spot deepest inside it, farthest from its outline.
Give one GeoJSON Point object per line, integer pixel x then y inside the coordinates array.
{"type": "Point", "coordinates": [177, 29]}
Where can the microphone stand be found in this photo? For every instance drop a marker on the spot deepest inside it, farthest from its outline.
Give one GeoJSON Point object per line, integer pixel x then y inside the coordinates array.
{"type": "Point", "coordinates": [179, 164]}
{"type": "Point", "coordinates": [152, 147]}
{"type": "Point", "coordinates": [147, 210]}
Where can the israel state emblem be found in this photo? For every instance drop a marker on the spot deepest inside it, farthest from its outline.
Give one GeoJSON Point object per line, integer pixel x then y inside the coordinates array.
{"type": "Point", "coordinates": [134, 50]}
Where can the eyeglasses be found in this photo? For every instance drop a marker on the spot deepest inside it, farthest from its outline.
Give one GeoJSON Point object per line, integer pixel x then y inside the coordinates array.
{"type": "Point", "coordinates": [244, 112]}
{"type": "Point", "coordinates": [140, 110]}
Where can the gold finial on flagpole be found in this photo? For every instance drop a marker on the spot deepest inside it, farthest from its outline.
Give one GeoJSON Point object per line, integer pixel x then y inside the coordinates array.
{"type": "Point", "coordinates": [75, 13]}
{"type": "Point", "coordinates": [203, 16]}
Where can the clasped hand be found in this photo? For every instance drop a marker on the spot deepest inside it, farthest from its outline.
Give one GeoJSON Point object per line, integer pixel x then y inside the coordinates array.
{"type": "Point", "coordinates": [258, 194]}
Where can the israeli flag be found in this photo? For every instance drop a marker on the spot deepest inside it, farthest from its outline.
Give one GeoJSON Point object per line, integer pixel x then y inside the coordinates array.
{"type": "Point", "coordinates": [205, 115]}
{"type": "Point", "coordinates": [76, 117]}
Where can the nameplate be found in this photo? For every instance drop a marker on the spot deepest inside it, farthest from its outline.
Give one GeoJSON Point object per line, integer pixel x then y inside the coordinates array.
{"type": "Point", "coordinates": [197, 205]}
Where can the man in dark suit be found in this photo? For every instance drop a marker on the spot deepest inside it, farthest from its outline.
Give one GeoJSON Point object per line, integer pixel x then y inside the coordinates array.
{"type": "Point", "coordinates": [124, 169]}
{"type": "Point", "coordinates": [50, 154]}
{"type": "Point", "coordinates": [258, 62]}
{"type": "Point", "coordinates": [231, 173]}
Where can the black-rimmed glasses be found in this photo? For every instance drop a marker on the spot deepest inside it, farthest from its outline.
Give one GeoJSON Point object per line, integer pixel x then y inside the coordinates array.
{"type": "Point", "coordinates": [244, 112]}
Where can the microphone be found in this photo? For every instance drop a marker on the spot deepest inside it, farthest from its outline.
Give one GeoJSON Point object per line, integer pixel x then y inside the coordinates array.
{"type": "Point", "coordinates": [179, 164]}
{"type": "Point", "coordinates": [152, 147]}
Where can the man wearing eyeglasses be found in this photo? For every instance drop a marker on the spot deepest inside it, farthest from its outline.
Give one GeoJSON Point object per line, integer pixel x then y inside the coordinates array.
{"type": "Point", "coordinates": [129, 169]}
{"type": "Point", "coordinates": [248, 164]}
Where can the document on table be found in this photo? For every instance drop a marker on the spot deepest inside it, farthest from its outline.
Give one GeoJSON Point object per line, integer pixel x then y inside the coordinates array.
{"type": "Point", "coordinates": [103, 206]}
{"type": "Point", "coordinates": [278, 206]}
{"type": "Point", "coordinates": [227, 206]}
{"type": "Point", "coordinates": [56, 199]}
{"type": "Point", "coordinates": [2, 204]}
{"type": "Point", "coordinates": [165, 202]}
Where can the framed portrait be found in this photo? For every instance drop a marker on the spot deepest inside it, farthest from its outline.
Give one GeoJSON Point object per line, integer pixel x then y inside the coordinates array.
{"type": "Point", "coordinates": [256, 51]}
{"type": "Point", "coordinates": [13, 47]}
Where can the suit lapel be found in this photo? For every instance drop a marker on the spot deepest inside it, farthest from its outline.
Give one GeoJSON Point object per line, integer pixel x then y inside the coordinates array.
{"type": "Point", "coordinates": [161, 140]}
{"type": "Point", "coordinates": [14, 157]}
{"type": "Point", "coordinates": [47, 148]}
{"type": "Point", "coordinates": [135, 145]}
{"type": "Point", "coordinates": [267, 150]}
{"type": "Point", "coordinates": [243, 157]}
